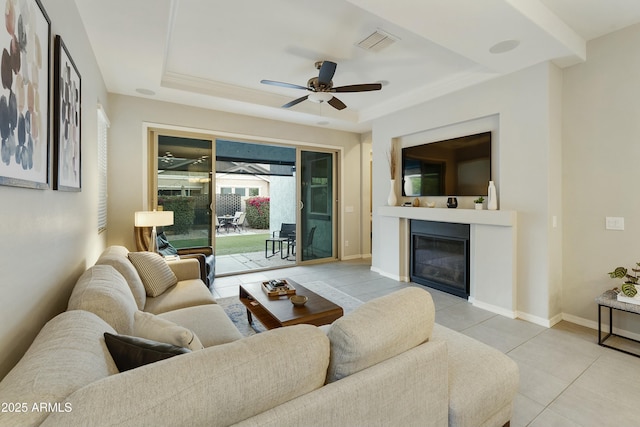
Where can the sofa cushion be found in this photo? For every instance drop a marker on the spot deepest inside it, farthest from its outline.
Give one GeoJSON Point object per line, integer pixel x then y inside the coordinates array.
{"type": "Point", "coordinates": [68, 353]}
{"type": "Point", "coordinates": [152, 327]}
{"type": "Point", "coordinates": [217, 386]}
{"type": "Point", "coordinates": [103, 291]}
{"type": "Point", "coordinates": [209, 322]}
{"type": "Point", "coordinates": [156, 275]}
{"type": "Point", "coordinates": [118, 258]}
{"type": "Point", "coordinates": [482, 380]}
{"type": "Point", "coordinates": [132, 352]}
{"type": "Point", "coordinates": [378, 330]}
{"type": "Point", "coordinates": [186, 293]}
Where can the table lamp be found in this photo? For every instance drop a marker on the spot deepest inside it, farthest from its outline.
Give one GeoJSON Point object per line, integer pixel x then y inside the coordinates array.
{"type": "Point", "coordinates": [153, 219]}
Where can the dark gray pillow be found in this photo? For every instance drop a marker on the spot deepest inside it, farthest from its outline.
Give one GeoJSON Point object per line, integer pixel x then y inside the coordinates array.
{"type": "Point", "coordinates": [164, 247]}
{"type": "Point", "coordinates": [131, 352]}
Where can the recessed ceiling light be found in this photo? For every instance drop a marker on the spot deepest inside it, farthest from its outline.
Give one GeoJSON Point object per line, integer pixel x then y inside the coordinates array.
{"type": "Point", "coordinates": [148, 92]}
{"type": "Point", "coordinates": [504, 46]}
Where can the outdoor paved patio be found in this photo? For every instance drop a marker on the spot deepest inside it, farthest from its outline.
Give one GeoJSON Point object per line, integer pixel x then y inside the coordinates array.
{"type": "Point", "coordinates": [231, 264]}
{"type": "Point", "coordinates": [242, 262]}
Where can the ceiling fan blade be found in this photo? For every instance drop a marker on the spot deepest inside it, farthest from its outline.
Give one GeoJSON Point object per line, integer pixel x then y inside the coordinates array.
{"type": "Point", "coordinates": [282, 84]}
{"type": "Point", "coordinates": [327, 70]}
{"type": "Point", "coordinates": [337, 104]}
{"type": "Point", "coordinates": [358, 88]}
{"type": "Point", "coordinates": [295, 101]}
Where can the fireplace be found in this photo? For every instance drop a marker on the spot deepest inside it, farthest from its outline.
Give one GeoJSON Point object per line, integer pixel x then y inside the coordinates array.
{"type": "Point", "coordinates": [440, 256]}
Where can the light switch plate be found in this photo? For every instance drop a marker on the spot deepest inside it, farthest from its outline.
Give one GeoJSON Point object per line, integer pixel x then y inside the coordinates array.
{"type": "Point", "coordinates": [614, 223]}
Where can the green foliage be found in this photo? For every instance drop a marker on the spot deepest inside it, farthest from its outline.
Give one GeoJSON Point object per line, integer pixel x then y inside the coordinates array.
{"type": "Point", "coordinates": [618, 273]}
{"type": "Point", "coordinates": [240, 244]}
{"type": "Point", "coordinates": [479, 200]}
{"type": "Point", "coordinates": [183, 212]}
{"type": "Point", "coordinates": [258, 212]}
{"type": "Point", "coordinates": [630, 280]}
{"type": "Point", "coordinates": [629, 289]}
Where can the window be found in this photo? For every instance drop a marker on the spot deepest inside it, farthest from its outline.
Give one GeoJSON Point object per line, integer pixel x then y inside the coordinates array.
{"type": "Point", "coordinates": [226, 190]}
{"type": "Point", "coordinates": [240, 191]}
{"type": "Point", "coordinates": [103, 126]}
{"type": "Point", "coordinates": [319, 186]}
{"type": "Point", "coordinates": [253, 192]}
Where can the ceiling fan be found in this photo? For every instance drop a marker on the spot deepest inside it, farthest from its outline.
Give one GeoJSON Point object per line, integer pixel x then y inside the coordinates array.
{"type": "Point", "coordinates": [322, 87]}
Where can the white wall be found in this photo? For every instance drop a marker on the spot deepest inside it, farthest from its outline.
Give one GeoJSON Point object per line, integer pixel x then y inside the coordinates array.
{"type": "Point", "coordinates": [601, 154]}
{"type": "Point", "coordinates": [50, 237]}
{"type": "Point", "coordinates": [365, 202]}
{"type": "Point", "coordinates": [283, 204]}
{"type": "Point", "coordinates": [129, 153]}
{"type": "Point", "coordinates": [528, 135]}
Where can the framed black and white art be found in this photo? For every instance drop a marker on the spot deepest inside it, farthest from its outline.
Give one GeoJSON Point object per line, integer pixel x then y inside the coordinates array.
{"type": "Point", "coordinates": [67, 118]}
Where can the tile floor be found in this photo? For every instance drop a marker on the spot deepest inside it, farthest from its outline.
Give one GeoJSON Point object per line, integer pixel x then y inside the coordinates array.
{"type": "Point", "coordinates": [566, 379]}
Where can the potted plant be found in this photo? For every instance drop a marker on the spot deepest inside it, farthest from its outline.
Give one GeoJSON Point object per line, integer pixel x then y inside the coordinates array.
{"type": "Point", "coordinates": [630, 280]}
{"type": "Point", "coordinates": [478, 203]}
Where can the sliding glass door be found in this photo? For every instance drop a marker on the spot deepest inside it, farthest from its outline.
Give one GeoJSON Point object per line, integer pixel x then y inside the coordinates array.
{"type": "Point", "coordinates": [184, 187]}
{"type": "Point", "coordinates": [316, 234]}
{"type": "Point", "coordinates": [207, 182]}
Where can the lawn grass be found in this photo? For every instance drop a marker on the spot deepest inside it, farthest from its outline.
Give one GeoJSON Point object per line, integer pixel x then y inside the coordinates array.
{"type": "Point", "coordinates": [227, 245]}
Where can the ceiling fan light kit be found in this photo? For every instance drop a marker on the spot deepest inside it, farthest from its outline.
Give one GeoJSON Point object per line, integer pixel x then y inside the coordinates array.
{"type": "Point", "coordinates": [320, 97]}
{"type": "Point", "coordinates": [321, 87]}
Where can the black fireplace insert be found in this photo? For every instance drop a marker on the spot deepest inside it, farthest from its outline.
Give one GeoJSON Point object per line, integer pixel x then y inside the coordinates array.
{"type": "Point", "coordinates": [440, 256]}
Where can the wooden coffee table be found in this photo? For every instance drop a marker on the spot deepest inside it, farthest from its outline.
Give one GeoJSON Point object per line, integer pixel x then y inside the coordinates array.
{"type": "Point", "coordinates": [277, 311]}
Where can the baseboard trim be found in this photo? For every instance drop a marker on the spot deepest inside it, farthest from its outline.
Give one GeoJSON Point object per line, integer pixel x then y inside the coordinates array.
{"type": "Point", "coordinates": [547, 323]}
{"type": "Point", "coordinates": [493, 308]}
{"type": "Point", "coordinates": [385, 274]}
{"type": "Point", "coordinates": [350, 257]}
{"type": "Point", "coordinates": [591, 324]}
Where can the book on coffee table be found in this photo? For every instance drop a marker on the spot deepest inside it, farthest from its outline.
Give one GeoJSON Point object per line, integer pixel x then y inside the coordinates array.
{"type": "Point", "coordinates": [278, 287]}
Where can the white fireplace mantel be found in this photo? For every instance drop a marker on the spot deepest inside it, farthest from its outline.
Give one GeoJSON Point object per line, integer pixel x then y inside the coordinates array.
{"type": "Point", "coordinates": [462, 216]}
{"type": "Point", "coordinates": [493, 250]}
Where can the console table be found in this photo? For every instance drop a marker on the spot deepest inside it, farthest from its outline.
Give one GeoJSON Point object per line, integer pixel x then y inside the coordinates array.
{"type": "Point", "coordinates": [609, 300]}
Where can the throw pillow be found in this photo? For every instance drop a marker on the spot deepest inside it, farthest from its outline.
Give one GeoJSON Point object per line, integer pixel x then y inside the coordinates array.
{"type": "Point", "coordinates": [149, 326]}
{"type": "Point", "coordinates": [164, 247]}
{"type": "Point", "coordinates": [154, 271]}
{"type": "Point", "coordinates": [132, 352]}
{"type": "Point", "coordinates": [379, 330]}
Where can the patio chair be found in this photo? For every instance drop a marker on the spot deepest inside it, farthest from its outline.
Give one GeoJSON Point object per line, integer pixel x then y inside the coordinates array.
{"type": "Point", "coordinates": [308, 243]}
{"type": "Point", "coordinates": [238, 220]}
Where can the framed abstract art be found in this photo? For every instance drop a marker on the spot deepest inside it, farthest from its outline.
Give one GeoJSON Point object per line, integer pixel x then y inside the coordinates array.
{"type": "Point", "coordinates": [25, 40]}
{"type": "Point", "coordinates": [67, 118]}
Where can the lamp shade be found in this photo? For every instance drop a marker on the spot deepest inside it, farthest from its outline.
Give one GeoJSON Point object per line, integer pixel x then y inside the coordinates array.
{"type": "Point", "coordinates": [153, 218]}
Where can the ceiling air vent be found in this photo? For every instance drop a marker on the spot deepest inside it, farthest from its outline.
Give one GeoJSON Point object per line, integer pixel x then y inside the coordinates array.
{"type": "Point", "coordinates": [377, 41]}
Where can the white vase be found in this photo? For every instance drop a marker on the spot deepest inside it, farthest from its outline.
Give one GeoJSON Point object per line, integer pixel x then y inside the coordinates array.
{"type": "Point", "coordinates": [492, 198]}
{"type": "Point", "coordinates": [392, 200]}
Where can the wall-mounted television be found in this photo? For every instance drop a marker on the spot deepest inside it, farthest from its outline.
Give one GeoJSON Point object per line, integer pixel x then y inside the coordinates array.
{"type": "Point", "coordinates": [453, 167]}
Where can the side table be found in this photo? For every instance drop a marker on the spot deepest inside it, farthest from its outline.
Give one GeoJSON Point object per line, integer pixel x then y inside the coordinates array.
{"type": "Point", "coordinates": [609, 300]}
{"type": "Point", "coordinates": [274, 241]}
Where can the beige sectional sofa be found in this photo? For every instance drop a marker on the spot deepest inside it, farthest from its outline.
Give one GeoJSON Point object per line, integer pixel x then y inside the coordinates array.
{"type": "Point", "coordinates": [386, 363]}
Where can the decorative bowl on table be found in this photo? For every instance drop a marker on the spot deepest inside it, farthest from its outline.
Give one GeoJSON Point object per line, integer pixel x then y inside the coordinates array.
{"type": "Point", "coordinates": [298, 300]}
